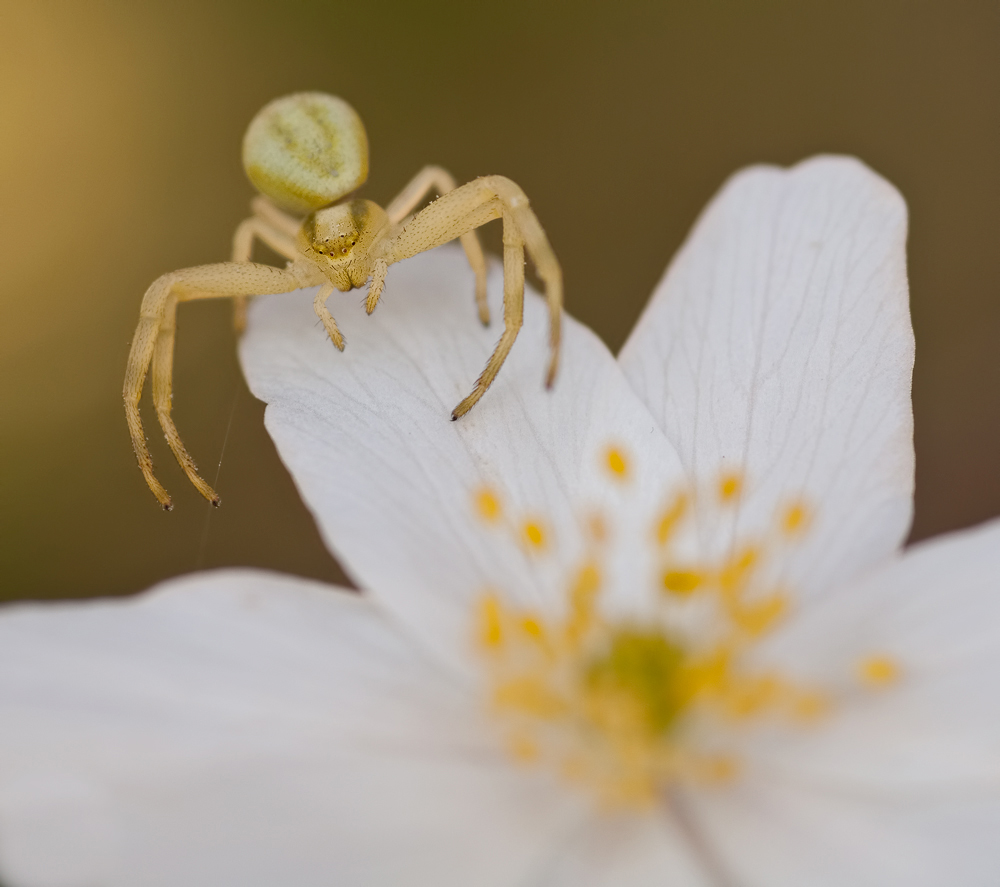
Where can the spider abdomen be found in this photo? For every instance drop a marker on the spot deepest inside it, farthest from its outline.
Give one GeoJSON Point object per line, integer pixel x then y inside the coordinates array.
{"type": "Point", "coordinates": [306, 150]}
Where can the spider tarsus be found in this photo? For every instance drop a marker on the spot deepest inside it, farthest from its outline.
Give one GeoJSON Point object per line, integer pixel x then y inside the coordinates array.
{"type": "Point", "coordinates": [550, 376]}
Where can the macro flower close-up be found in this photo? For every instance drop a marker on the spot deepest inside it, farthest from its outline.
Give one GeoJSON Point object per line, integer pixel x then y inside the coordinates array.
{"type": "Point", "coordinates": [653, 626]}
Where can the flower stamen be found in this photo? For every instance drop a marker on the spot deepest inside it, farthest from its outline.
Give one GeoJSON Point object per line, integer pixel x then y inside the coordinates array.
{"type": "Point", "coordinates": [621, 703]}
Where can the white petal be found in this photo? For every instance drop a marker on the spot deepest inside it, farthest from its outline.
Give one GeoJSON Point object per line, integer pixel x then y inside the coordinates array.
{"type": "Point", "coordinates": [625, 850]}
{"type": "Point", "coordinates": [778, 836]}
{"type": "Point", "coordinates": [935, 612]}
{"type": "Point", "coordinates": [779, 344]}
{"type": "Point", "coordinates": [241, 728]}
{"type": "Point", "coordinates": [368, 438]}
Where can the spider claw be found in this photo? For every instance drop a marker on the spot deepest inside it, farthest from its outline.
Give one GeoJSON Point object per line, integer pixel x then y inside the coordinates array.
{"type": "Point", "coordinates": [168, 505]}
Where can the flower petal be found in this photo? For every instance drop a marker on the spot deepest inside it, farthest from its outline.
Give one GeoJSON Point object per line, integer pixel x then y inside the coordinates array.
{"type": "Point", "coordinates": [934, 615]}
{"type": "Point", "coordinates": [392, 481]}
{"type": "Point", "coordinates": [779, 345]}
{"type": "Point", "coordinates": [243, 728]}
{"type": "Point", "coordinates": [619, 849]}
{"type": "Point", "coordinates": [781, 836]}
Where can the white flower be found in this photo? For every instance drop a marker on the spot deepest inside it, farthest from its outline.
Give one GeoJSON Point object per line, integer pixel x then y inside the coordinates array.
{"type": "Point", "coordinates": [652, 627]}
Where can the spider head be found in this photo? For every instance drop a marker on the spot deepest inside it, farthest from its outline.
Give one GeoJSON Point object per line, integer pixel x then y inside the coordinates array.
{"type": "Point", "coordinates": [338, 240]}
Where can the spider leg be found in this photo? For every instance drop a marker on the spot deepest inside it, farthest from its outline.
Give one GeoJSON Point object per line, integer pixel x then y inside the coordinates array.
{"type": "Point", "coordinates": [513, 313]}
{"type": "Point", "coordinates": [154, 335]}
{"type": "Point", "coordinates": [428, 179]}
{"type": "Point", "coordinates": [163, 363]}
{"type": "Point", "coordinates": [270, 225]}
{"type": "Point", "coordinates": [323, 313]}
{"type": "Point", "coordinates": [468, 207]}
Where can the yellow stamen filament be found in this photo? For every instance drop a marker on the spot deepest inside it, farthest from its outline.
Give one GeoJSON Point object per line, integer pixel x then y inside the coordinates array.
{"type": "Point", "coordinates": [737, 571]}
{"type": "Point", "coordinates": [487, 505]}
{"type": "Point", "coordinates": [878, 671]}
{"type": "Point", "coordinates": [597, 528]}
{"type": "Point", "coordinates": [670, 519]}
{"type": "Point", "coordinates": [760, 617]}
{"type": "Point", "coordinates": [582, 596]}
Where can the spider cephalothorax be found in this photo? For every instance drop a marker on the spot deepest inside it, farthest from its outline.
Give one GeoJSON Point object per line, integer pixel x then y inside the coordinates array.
{"type": "Point", "coordinates": [305, 152]}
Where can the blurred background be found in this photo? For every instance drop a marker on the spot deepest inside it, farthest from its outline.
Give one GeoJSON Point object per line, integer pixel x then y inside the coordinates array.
{"type": "Point", "coordinates": [120, 131]}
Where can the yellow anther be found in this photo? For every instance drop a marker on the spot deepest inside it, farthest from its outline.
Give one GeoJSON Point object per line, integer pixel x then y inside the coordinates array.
{"type": "Point", "coordinates": [730, 486]}
{"type": "Point", "coordinates": [670, 519]}
{"type": "Point", "coordinates": [757, 618]}
{"type": "Point", "coordinates": [529, 695]}
{"type": "Point", "coordinates": [682, 582]}
{"type": "Point", "coordinates": [490, 622]}
{"type": "Point", "coordinates": [534, 535]}
{"type": "Point", "coordinates": [522, 747]}
{"type": "Point", "coordinates": [608, 700]}
{"type": "Point", "coordinates": [533, 628]}
{"type": "Point", "coordinates": [810, 706]}
{"type": "Point", "coordinates": [751, 695]}
{"type": "Point", "coordinates": [795, 518]}
{"type": "Point", "coordinates": [617, 464]}
{"type": "Point", "coordinates": [878, 671]}
{"type": "Point", "coordinates": [708, 676]}
{"type": "Point", "coordinates": [487, 505]}
{"type": "Point", "coordinates": [719, 770]}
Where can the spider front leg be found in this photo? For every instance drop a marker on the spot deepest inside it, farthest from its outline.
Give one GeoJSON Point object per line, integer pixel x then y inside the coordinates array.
{"type": "Point", "coordinates": [465, 209]}
{"type": "Point", "coordinates": [163, 365]}
{"type": "Point", "coordinates": [154, 339]}
{"type": "Point", "coordinates": [433, 178]}
{"type": "Point", "coordinates": [513, 313]}
{"type": "Point", "coordinates": [323, 313]}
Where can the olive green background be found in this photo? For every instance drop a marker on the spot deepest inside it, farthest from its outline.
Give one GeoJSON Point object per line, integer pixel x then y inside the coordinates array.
{"type": "Point", "coordinates": [120, 129]}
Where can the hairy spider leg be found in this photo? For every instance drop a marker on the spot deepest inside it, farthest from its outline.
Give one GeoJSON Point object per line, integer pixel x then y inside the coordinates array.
{"type": "Point", "coordinates": [270, 225]}
{"type": "Point", "coordinates": [464, 209]}
{"type": "Point", "coordinates": [439, 179]}
{"type": "Point", "coordinates": [155, 335]}
{"type": "Point", "coordinates": [162, 383]}
{"type": "Point", "coordinates": [323, 313]}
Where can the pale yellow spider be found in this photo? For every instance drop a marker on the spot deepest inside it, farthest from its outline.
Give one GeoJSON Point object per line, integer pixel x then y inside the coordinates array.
{"type": "Point", "coordinates": [303, 152]}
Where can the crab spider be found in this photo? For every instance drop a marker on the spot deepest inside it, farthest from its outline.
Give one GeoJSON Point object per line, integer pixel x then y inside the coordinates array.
{"type": "Point", "coordinates": [303, 153]}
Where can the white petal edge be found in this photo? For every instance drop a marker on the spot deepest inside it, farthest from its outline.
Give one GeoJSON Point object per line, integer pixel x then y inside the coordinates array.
{"type": "Point", "coordinates": [390, 479]}
{"type": "Point", "coordinates": [245, 728]}
{"type": "Point", "coordinates": [779, 344]}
